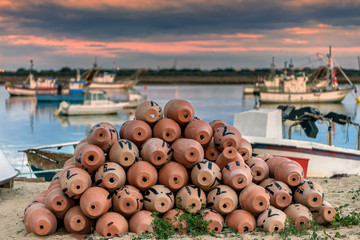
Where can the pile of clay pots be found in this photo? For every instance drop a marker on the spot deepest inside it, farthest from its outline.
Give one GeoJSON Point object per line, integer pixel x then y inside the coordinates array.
{"type": "Point", "coordinates": [168, 158]}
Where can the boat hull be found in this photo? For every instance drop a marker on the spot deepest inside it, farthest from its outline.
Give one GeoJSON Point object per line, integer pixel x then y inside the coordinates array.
{"type": "Point", "coordinates": [17, 90]}
{"type": "Point", "coordinates": [113, 85]}
{"type": "Point", "coordinates": [59, 98]}
{"type": "Point", "coordinates": [78, 109]}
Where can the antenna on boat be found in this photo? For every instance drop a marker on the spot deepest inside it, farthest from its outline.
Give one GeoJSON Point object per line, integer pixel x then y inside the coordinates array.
{"type": "Point", "coordinates": [273, 68]}
{"type": "Point", "coordinates": [31, 65]}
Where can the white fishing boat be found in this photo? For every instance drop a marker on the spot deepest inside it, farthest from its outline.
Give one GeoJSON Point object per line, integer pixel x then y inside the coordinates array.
{"type": "Point", "coordinates": [7, 171]}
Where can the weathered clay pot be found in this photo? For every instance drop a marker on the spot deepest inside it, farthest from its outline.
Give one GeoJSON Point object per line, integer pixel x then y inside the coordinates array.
{"type": "Point", "coordinates": [141, 222]}
{"type": "Point", "coordinates": [124, 152]}
{"type": "Point", "coordinates": [70, 161]}
{"type": "Point", "coordinates": [223, 199]}
{"type": "Point", "coordinates": [75, 221]}
{"type": "Point", "coordinates": [280, 193]}
{"type": "Point", "coordinates": [299, 214]}
{"type": "Point", "coordinates": [91, 158]}
{"type": "Point", "coordinates": [173, 217]}
{"type": "Point", "coordinates": [167, 129]}
{"type": "Point", "coordinates": [173, 175]}
{"type": "Point", "coordinates": [142, 175]}
{"type": "Point", "coordinates": [136, 131]}
{"type": "Point", "coordinates": [200, 131]}
{"type": "Point", "coordinates": [187, 152]}
{"type": "Point", "coordinates": [264, 156]}
{"type": "Point", "coordinates": [310, 194]}
{"type": "Point", "coordinates": [127, 200]}
{"type": "Point", "coordinates": [77, 154]}
{"type": "Point", "coordinates": [74, 182]}
{"type": "Point", "coordinates": [110, 176]}
{"type": "Point", "coordinates": [95, 201]}
{"type": "Point", "coordinates": [210, 151]}
{"type": "Point", "coordinates": [273, 162]}
{"type": "Point", "coordinates": [215, 220]}
{"type": "Point", "coordinates": [254, 199]}
{"type": "Point", "coordinates": [56, 179]}
{"type": "Point", "coordinates": [290, 172]}
{"type": "Point", "coordinates": [227, 136]}
{"type": "Point", "coordinates": [229, 154]}
{"type": "Point", "coordinates": [245, 149]}
{"type": "Point", "coordinates": [215, 124]}
{"type": "Point", "coordinates": [259, 169]}
{"type": "Point", "coordinates": [271, 220]}
{"type": "Point", "coordinates": [40, 221]}
{"type": "Point", "coordinates": [158, 198]}
{"type": "Point", "coordinates": [237, 175]}
{"type": "Point", "coordinates": [179, 110]}
{"type": "Point", "coordinates": [111, 224]}
{"type": "Point", "coordinates": [206, 175]}
{"type": "Point", "coordinates": [324, 214]}
{"type": "Point", "coordinates": [191, 198]}
{"type": "Point", "coordinates": [241, 221]}
{"type": "Point", "coordinates": [103, 135]}
{"type": "Point", "coordinates": [156, 151]}
{"type": "Point", "coordinates": [58, 202]}
{"type": "Point", "coordinates": [31, 207]}
{"type": "Point", "coordinates": [149, 112]}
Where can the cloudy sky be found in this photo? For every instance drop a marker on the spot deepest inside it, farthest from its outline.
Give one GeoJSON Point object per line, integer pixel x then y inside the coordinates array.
{"type": "Point", "coordinates": [202, 34]}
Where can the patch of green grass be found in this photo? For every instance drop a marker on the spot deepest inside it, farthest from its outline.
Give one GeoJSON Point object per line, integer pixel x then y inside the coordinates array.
{"type": "Point", "coordinates": [353, 218]}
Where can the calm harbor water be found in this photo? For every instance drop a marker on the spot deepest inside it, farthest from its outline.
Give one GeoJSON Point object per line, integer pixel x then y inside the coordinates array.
{"type": "Point", "coordinates": [26, 123]}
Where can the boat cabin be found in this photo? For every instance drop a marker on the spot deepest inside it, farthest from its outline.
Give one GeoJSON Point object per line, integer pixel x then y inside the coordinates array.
{"type": "Point", "coordinates": [95, 98]}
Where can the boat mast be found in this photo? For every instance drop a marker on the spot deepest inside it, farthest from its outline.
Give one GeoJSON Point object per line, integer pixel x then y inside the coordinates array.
{"type": "Point", "coordinates": [273, 68]}
{"type": "Point", "coordinates": [331, 66]}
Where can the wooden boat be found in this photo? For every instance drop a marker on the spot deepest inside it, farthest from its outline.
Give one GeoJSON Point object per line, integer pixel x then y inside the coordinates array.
{"type": "Point", "coordinates": [75, 94]}
{"type": "Point", "coordinates": [7, 171]}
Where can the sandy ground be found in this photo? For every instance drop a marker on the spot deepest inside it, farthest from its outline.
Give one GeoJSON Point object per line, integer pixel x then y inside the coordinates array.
{"type": "Point", "coordinates": [338, 191]}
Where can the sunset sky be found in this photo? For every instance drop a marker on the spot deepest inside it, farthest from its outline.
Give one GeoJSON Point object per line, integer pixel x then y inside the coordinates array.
{"type": "Point", "coordinates": [204, 34]}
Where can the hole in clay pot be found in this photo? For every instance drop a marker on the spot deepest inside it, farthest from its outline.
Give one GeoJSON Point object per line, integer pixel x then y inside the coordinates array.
{"type": "Point", "coordinates": [216, 229]}
{"type": "Point", "coordinates": [111, 180]}
{"type": "Point", "coordinates": [302, 223]}
{"type": "Point", "coordinates": [202, 137]}
{"type": "Point", "coordinates": [152, 115]}
{"type": "Point", "coordinates": [139, 133]}
{"type": "Point", "coordinates": [159, 158]}
{"type": "Point", "coordinates": [246, 229]}
{"type": "Point", "coordinates": [329, 212]}
{"type": "Point", "coordinates": [243, 154]}
{"type": "Point", "coordinates": [193, 204]}
{"type": "Point", "coordinates": [176, 229]}
{"type": "Point", "coordinates": [78, 221]}
{"type": "Point", "coordinates": [100, 134]}
{"type": "Point", "coordinates": [229, 144]}
{"type": "Point", "coordinates": [92, 206]}
{"type": "Point", "coordinates": [283, 198]}
{"type": "Point", "coordinates": [191, 154]}
{"type": "Point", "coordinates": [204, 178]}
{"type": "Point", "coordinates": [91, 158]}
{"type": "Point", "coordinates": [230, 151]}
{"type": "Point", "coordinates": [293, 179]}
{"type": "Point", "coordinates": [127, 204]}
{"type": "Point", "coordinates": [58, 203]}
{"type": "Point", "coordinates": [77, 187]}
{"type": "Point", "coordinates": [162, 204]}
{"type": "Point", "coordinates": [175, 179]}
{"type": "Point", "coordinates": [168, 134]}
{"type": "Point", "coordinates": [240, 180]}
{"type": "Point", "coordinates": [224, 205]}
{"type": "Point", "coordinates": [146, 231]}
{"type": "Point", "coordinates": [144, 179]}
{"type": "Point", "coordinates": [276, 229]}
{"type": "Point", "coordinates": [41, 227]}
{"type": "Point", "coordinates": [126, 158]}
{"type": "Point", "coordinates": [258, 174]}
{"type": "Point", "coordinates": [212, 154]}
{"type": "Point", "coordinates": [186, 116]}
{"type": "Point", "coordinates": [315, 199]}
{"type": "Point", "coordinates": [261, 203]}
{"type": "Point", "coordinates": [108, 234]}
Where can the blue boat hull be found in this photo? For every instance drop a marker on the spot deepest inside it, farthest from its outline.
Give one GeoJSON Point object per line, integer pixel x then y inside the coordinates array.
{"type": "Point", "coordinates": [60, 98]}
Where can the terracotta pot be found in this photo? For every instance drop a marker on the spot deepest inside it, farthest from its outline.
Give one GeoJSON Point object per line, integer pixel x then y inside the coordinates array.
{"type": "Point", "coordinates": [210, 151]}
{"type": "Point", "coordinates": [271, 220]}
{"type": "Point", "coordinates": [280, 193]}
{"type": "Point", "coordinates": [112, 224]}
{"type": "Point", "coordinates": [127, 200]}
{"type": "Point", "coordinates": [142, 175]}
{"type": "Point", "coordinates": [103, 135]}
{"type": "Point", "coordinates": [200, 131]}
{"type": "Point", "coordinates": [259, 169]}
{"type": "Point", "coordinates": [290, 172]}
{"type": "Point", "coordinates": [215, 124]}
{"type": "Point", "coordinates": [136, 131]}
{"type": "Point", "coordinates": [237, 175]}
{"type": "Point", "coordinates": [158, 198]}
{"type": "Point", "coordinates": [77, 154]}
{"type": "Point", "coordinates": [241, 221]}
{"type": "Point", "coordinates": [215, 220]}
{"type": "Point", "coordinates": [40, 221]}
{"type": "Point", "coordinates": [206, 175]}
{"type": "Point", "coordinates": [70, 161]}
{"type": "Point", "coordinates": [228, 155]}
{"type": "Point", "coordinates": [173, 175]}
{"type": "Point", "coordinates": [91, 158]}
{"type": "Point", "coordinates": [223, 199]}
{"type": "Point", "coordinates": [187, 152]}
{"type": "Point", "coordinates": [110, 176]}
{"type": "Point", "coordinates": [299, 214]}
{"type": "Point", "coordinates": [245, 149]}
{"type": "Point", "coordinates": [75, 221]}
{"type": "Point", "coordinates": [273, 162]}
{"type": "Point", "coordinates": [74, 182]}
{"type": "Point", "coordinates": [31, 207]}
{"type": "Point", "coordinates": [149, 112]}
{"type": "Point", "coordinates": [167, 129]}
{"type": "Point", "coordinates": [179, 110]}
{"type": "Point", "coordinates": [95, 202]}
{"type": "Point", "coordinates": [264, 156]}
{"type": "Point", "coordinates": [156, 151]}
{"type": "Point", "coordinates": [173, 216]}
{"type": "Point", "coordinates": [190, 198]}
{"type": "Point", "coordinates": [324, 214]}
{"type": "Point", "coordinates": [58, 202]}
{"type": "Point", "coordinates": [124, 152]}
{"type": "Point", "coordinates": [310, 194]}
{"type": "Point", "coordinates": [56, 179]}
{"type": "Point", "coordinates": [141, 222]}
{"type": "Point", "coordinates": [254, 199]}
{"type": "Point", "coordinates": [227, 136]}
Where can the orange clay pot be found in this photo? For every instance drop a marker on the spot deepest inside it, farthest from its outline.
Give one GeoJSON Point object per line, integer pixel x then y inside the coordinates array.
{"type": "Point", "coordinates": [173, 175]}
{"type": "Point", "coordinates": [74, 182]}
{"type": "Point", "coordinates": [290, 172]}
{"type": "Point", "coordinates": [103, 135]}
{"type": "Point", "coordinates": [215, 220]}
{"type": "Point", "coordinates": [223, 199]}
{"type": "Point", "coordinates": [173, 217]}
{"type": "Point", "coordinates": [210, 151]}
{"type": "Point", "coordinates": [70, 161]}
{"type": "Point", "coordinates": [110, 176]}
{"type": "Point", "coordinates": [77, 154]}
{"type": "Point", "coordinates": [142, 175]}
{"type": "Point", "coordinates": [187, 152]}
{"type": "Point", "coordinates": [273, 162]}
{"type": "Point", "coordinates": [31, 207]}
{"type": "Point", "coordinates": [215, 124]}
{"type": "Point", "coordinates": [227, 136]}
{"type": "Point", "coordinates": [75, 221]}
{"type": "Point", "coordinates": [124, 152]}
{"type": "Point", "coordinates": [241, 221]}
{"type": "Point", "coordinates": [167, 129]}
{"type": "Point", "coordinates": [310, 194]}
{"type": "Point", "coordinates": [56, 179]}
{"type": "Point", "coordinates": [254, 199]}
{"type": "Point", "coordinates": [191, 198]}
{"type": "Point", "coordinates": [91, 158]}
{"type": "Point", "coordinates": [237, 175]}
{"type": "Point", "coordinates": [206, 175]}
{"type": "Point", "coordinates": [271, 220]}
{"type": "Point", "coordinates": [156, 151]}
{"type": "Point", "coordinates": [141, 222]}
{"type": "Point", "coordinates": [228, 155]}
{"type": "Point", "coordinates": [127, 200]}
{"type": "Point", "coordinates": [280, 193]}
{"type": "Point", "coordinates": [259, 168]}
{"type": "Point", "coordinates": [112, 224]}
{"type": "Point", "coordinates": [245, 149]}
{"type": "Point", "coordinates": [158, 198]}
{"type": "Point", "coordinates": [179, 110]}
{"type": "Point", "coordinates": [299, 214]}
{"type": "Point", "coordinates": [264, 156]}
{"type": "Point", "coordinates": [149, 112]}
{"type": "Point", "coordinates": [40, 221]}
{"type": "Point", "coordinates": [58, 202]}
{"type": "Point", "coordinates": [136, 131]}
{"type": "Point", "coordinates": [324, 214]}
{"type": "Point", "coordinates": [95, 201]}
{"type": "Point", "coordinates": [200, 131]}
